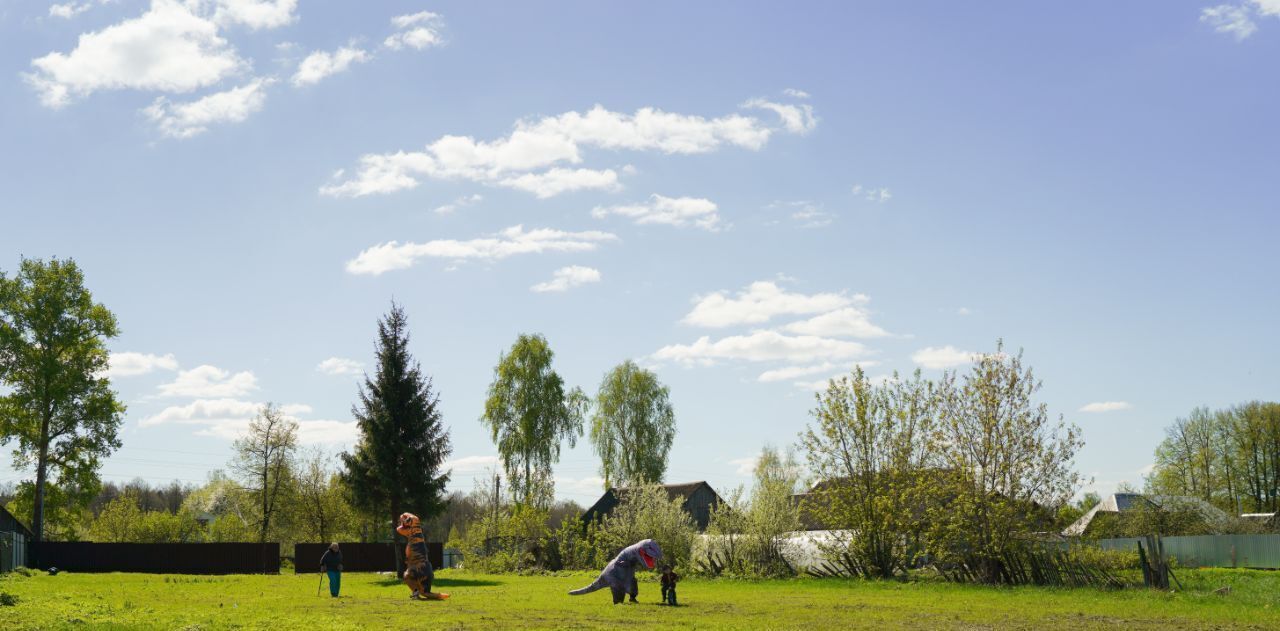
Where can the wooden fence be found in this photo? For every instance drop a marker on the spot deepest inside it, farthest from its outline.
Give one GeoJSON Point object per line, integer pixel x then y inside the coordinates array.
{"type": "Point", "coordinates": [156, 558]}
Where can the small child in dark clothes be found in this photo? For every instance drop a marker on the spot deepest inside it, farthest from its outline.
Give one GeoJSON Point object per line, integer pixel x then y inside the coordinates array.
{"type": "Point", "coordinates": [669, 578]}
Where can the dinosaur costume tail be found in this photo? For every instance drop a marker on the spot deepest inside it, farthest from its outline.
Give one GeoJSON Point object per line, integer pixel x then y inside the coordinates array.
{"type": "Point", "coordinates": [598, 584]}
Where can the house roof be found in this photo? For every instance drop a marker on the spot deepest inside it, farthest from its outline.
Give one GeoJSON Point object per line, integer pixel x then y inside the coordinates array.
{"type": "Point", "coordinates": [683, 491]}
{"type": "Point", "coordinates": [9, 523]}
{"type": "Point", "coordinates": [1127, 502]}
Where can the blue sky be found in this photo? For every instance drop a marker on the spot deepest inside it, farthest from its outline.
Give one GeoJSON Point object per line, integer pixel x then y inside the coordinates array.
{"type": "Point", "coordinates": [748, 197]}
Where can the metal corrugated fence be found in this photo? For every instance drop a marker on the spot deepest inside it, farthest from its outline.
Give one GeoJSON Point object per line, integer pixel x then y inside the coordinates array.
{"type": "Point", "coordinates": [1252, 551]}
{"type": "Point", "coordinates": [13, 551]}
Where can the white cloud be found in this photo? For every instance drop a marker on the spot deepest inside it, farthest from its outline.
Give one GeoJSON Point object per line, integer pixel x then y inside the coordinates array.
{"type": "Point", "coordinates": [872, 194]}
{"type": "Point", "coordinates": [510, 242]}
{"type": "Point", "coordinates": [761, 301]}
{"type": "Point", "coordinates": [788, 373]}
{"type": "Point", "coordinates": [942, 357]}
{"type": "Point", "coordinates": [418, 30]}
{"type": "Point", "coordinates": [340, 366]}
{"type": "Point", "coordinates": [470, 464]}
{"type": "Point", "coordinates": [745, 466]}
{"type": "Point", "coordinates": [1234, 20]}
{"type": "Point", "coordinates": [584, 487]}
{"type": "Point", "coordinates": [461, 202]}
{"type": "Point", "coordinates": [558, 180]}
{"type": "Point", "coordinates": [229, 419]}
{"type": "Point", "coordinates": [185, 120]}
{"type": "Point", "coordinates": [796, 94]}
{"type": "Point", "coordinates": [210, 382]}
{"type": "Point", "coordinates": [846, 322]}
{"type": "Point", "coordinates": [169, 49]}
{"type": "Point", "coordinates": [537, 148]}
{"type": "Point", "coordinates": [129, 364]}
{"type": "Point", "coordinates": [567, 277]}
{"type": "Point", "coordinates": [1106, 406]}
{"type": "Point", "coordinates": [321, 64]}
{"type": "Point", "coordinates": [812, 215]}
{"type": "Point", "coordinates": [71, 9]}
{"type": "Point", "coordinates": [1267, 7]}
{"type": "Point", "coordinates": [797, 119]}
{"type": "Point", "coordinates": [672, 211]}
{"type": "Point", "coordinates": [255, 14]}
{"type": "Point", "coordinates": [760, 346]}
{"type": "Point", "coordinates": [964, 311]}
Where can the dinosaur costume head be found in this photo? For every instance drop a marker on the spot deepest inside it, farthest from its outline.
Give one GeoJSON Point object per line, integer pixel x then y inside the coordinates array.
{"type": "Point", "coordinates": [408, 523]}
{"type": "Point", "coordinates": [649, 552]}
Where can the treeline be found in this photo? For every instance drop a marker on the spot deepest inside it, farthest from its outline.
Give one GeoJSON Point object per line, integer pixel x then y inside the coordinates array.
{"type": "Point", "coordinates": [1229, 458]}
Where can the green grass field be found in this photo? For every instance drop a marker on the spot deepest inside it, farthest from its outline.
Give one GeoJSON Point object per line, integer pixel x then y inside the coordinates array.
{"type": "Point", "coordinates": [129, 601]}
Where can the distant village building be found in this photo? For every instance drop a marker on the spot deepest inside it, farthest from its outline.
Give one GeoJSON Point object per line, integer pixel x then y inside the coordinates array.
{"type": "Point", "coordinates": [697, 499]}
{"type": "Point", "coordinates": [1119, 504]}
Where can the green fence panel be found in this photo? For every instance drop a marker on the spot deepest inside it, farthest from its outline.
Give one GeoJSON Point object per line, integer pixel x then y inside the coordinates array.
{"type": "Point", "coordinates": [1250, 551]}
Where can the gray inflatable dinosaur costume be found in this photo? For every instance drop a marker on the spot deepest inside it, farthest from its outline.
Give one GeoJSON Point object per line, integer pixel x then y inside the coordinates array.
{"type": "Point", "coordinates": [620, 574]}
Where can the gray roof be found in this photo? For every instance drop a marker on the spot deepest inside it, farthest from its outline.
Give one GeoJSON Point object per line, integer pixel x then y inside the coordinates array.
{"type": "Point", "coordinates": [1126, 502]}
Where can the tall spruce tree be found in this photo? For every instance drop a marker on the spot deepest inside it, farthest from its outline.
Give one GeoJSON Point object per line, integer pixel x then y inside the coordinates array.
{"type": "Point", "coordinates": [403, 442]}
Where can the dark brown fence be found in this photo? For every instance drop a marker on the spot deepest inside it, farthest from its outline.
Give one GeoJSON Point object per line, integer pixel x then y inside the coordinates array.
{"type": "Point", "coordinates": [359, 557]}
{"type": "Point", "coordinates": [157, 558]}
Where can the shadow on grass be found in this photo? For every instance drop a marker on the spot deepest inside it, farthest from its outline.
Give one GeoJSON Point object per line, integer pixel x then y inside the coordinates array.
{"type": "Point", "coordinates": [444, 582]}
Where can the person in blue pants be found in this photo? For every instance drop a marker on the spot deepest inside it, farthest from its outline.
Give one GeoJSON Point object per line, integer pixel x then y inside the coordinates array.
{"type": "Point", "coordinates": [331, 563]}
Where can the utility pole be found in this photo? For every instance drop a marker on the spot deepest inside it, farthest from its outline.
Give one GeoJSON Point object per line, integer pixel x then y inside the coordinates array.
{"type": "Point", "coordinates": [497, 486]}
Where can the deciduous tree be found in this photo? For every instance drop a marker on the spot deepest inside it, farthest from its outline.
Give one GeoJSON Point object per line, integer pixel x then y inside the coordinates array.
{"type": "Point", "coordinates": [59, 409]}
{"type": "Point", "coordinates": [529, 414]}
{"type": "Point", "coordinates": [633, 426]}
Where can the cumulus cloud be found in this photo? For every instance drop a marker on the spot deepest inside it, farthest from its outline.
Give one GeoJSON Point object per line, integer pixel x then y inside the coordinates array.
{"type": "Point", "coordinates": [788, 373]}
{"type": "Point", "coordinates": [470, 464]}
{"type": "Point", "coordinates": [321, 64]}
{"type": "Point", "coordinates": [937, 358]}
{"type": "Point", "coordinates": [1234, 20]}
{"type": "Point", "coordinates": [846, 322]}
{"type": "Point", "coordinates": [340, 366]}
{"type": "Point", "coordinates": [745, 466]}
{"type": "Point", "coordinates": [796, 94]}
{"type": "Point", "coordinates": [1106, 406]}
{"type": "Point", "coordinates": [510, 242]}
{"type": "Point", "coordinates": [229, 419]}
{"type": "Point", "coordinates": [167, 49]}
{"type": "Point", "coordinates": [759, 346]}
{"type": "Point", "coordinates": [255, 14]}
{"type": "Point", "coordinates": [566, 278]}
{"type": "Point", "coordinates": [558, 180]}
{"type": "Point", "coordinates": [461, 202]}
{"type": "Point", "coordinates": [185, 120]}
{"type": "Point", "coordinates": [797, 119]}
{"type": "Point", "coordinates": [671, 211]}
{"type": "Point", "coordinates": [761, 301]}
{"type": "Point", "coordinates": [129, 364]}
{"type": "Point", "coordinates": [418, 30]}
{"type": "Point", "coordinates": [210, 382]}
{"type": "Point", "coordinates": [69, 10]}
{"type": "Point", "coordinates": [533, 157]}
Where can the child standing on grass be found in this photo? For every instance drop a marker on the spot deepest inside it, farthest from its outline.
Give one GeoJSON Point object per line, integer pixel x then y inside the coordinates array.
{"type": "Point", "coordinates": [669, 578]}
{"type": "Point", "coordinates": [331, 563]}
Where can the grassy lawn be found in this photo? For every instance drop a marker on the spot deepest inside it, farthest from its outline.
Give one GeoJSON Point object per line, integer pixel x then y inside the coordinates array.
{"type": "Point", "coordinates": [127, 601]}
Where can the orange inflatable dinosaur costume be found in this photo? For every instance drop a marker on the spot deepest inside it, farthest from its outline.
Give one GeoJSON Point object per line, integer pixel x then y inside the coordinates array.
{"type": "Point", "coordinates": [418, 573]}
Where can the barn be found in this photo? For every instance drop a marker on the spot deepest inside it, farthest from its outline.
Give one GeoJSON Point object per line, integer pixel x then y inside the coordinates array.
{"type": "Point", "coordinates": [697, 499]}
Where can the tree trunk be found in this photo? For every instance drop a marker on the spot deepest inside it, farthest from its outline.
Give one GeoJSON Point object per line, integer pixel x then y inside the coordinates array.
{"type": "Point", "coordinates": [395, 543]}
{"type": "Point", "coordinates": [37, 511]}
